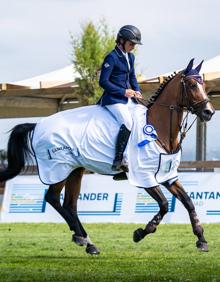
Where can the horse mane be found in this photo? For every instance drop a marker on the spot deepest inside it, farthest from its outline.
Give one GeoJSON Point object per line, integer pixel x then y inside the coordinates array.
{"type": "Point", "coordinates": [154, 97]}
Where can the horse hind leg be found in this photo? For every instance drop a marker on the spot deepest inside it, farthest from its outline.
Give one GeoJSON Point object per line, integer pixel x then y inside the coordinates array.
{"type": "Point", "coordinates": [177, 190]}
{"type": "Point", "coordinates": [72, 190]}
{"type": "Point", "coordinates": [53, 198]}
{"type": "Point", "coordinates": [151, 227]}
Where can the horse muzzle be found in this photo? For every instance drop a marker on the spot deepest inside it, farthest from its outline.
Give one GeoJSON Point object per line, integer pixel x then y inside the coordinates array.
{"type": "Point", "coordinates": [206, 113]}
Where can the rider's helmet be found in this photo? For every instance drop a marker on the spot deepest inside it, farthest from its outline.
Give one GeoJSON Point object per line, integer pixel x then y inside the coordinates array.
{"type": "Point", "coordinates": [130, 33]}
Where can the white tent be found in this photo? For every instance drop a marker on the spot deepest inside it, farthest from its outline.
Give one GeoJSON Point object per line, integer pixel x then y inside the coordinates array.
{"type": "Point", "coordinates": [63, 76]}
{"type": "Point", "coordinates": [211, 65]}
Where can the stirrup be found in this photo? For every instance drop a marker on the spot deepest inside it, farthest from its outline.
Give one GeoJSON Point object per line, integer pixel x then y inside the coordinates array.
{"type": "Point", "coordinates": [120, 176]}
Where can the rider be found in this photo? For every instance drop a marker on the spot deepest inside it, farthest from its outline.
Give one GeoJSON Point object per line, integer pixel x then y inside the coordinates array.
{"type": "Point", "coordinates": [119, 82]}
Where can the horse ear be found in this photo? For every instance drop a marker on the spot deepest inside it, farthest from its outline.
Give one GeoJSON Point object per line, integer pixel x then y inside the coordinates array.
{"type": "Point", "coordinates": [198, 68]}
{"type": "Point", "coordinates": [189, 67]}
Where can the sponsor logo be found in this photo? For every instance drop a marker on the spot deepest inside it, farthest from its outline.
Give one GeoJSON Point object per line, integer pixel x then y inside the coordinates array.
{"type": "Point", "coordinates": [202, 198]}
{"type": "Point", "coordinates": [146, 204]}
{"type": "Point", "coordinates": [114, 209]}
{"type": "Point", "coordinates": [204, 195]}
{"type": "Point", "coordinates": [27, 199]}
{"type": "Point", "coordinates": [93, 196]}
{"type": "Point", "coordinates": [56, 149]}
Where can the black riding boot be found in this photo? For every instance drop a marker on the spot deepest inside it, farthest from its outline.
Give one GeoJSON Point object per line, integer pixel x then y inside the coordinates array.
{"type": "Point", "coordinates": [121, 144]}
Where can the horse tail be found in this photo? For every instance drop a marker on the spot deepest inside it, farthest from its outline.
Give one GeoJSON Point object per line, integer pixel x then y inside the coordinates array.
{"type": "Point", "coordinates": [18, 151]}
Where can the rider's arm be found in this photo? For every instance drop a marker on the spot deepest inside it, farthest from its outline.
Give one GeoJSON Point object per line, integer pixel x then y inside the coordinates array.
{"type": "Point", "coordinates": [104, 80]}
{"type": "Point", "coordinates": [132, 77]}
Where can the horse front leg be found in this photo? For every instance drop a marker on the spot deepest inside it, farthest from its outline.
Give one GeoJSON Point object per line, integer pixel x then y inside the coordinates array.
{"type": "Point", "coordinates": [158, 196]}
{"type": "Point", "coordinates": [178, 191]}
{"type": "Point", "coordinates": [72, 190]}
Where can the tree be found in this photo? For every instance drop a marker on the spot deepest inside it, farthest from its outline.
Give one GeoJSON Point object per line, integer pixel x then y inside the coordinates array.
{"type": "Point", "coordinates": [89, 50]}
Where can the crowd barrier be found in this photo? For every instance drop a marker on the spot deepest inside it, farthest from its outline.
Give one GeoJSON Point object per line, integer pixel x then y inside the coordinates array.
{"type": "Point", "coordinates": [104, 200]}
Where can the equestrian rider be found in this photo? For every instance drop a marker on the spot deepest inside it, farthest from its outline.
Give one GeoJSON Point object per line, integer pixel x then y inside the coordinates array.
{"type": "Point", "coordinates": [119, 82]}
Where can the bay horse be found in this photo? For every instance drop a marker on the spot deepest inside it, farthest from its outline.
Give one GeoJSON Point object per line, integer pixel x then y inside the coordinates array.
{"type": "Point", "coordinates": [61, 161]}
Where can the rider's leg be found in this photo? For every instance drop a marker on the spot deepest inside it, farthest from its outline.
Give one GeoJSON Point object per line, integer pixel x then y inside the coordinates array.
{"type": "Point", "coordinates": [123, 116]}
{"type": "Point", "coordinates": [121, 143]}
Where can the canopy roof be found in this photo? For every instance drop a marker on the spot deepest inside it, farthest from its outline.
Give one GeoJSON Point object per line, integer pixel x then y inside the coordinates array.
{"type": "Point", "coordinates": [51, 92]}
{"type": "Point", "coordinates": [64, 76]}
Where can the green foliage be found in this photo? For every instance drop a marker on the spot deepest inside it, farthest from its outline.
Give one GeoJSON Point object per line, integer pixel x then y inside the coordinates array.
{"type": "Point", "coordinates": [44, 252]}
{"type": "Point", "coordinates": [89, 50]}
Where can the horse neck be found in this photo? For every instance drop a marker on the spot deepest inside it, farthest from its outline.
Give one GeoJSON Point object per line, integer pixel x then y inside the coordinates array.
{"type": "Point", "coordinates": [160, 116]}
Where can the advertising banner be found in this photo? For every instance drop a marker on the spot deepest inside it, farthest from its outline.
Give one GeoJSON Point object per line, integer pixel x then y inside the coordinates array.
{"type": "Point", "coordinates": [104, 200]}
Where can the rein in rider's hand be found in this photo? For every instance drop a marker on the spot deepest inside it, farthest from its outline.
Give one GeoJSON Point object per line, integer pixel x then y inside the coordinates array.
{"type": "Point", "coordinates": [131, 93]}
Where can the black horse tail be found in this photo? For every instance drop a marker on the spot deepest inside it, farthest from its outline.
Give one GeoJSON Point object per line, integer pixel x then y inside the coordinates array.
{"type": "Point", "coordinates": [19, 150]}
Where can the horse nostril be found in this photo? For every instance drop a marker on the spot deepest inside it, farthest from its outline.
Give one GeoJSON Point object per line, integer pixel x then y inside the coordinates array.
{"type": "Point", "coordinates": [208, 112]}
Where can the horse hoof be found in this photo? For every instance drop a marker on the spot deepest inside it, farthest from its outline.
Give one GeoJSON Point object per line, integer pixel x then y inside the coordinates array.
{"type": "Point", "coordinates": [92, 250]}
{"type": "Point", "coordinates": [202, 246]}
{"type": "Point", "coordinates": [138, 235]}
{"type": "Point", "coordinates": [79, 240]}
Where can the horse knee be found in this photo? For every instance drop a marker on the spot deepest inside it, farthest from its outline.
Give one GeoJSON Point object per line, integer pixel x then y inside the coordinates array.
{"type": "Point", "coordinates": [187, 202]}
{"type": "Point", "coordinates": [52, 199]}
{"type": "Point", "coordinates": [71, 208]}
{"type": "Point", "coordinates": [164, 206]}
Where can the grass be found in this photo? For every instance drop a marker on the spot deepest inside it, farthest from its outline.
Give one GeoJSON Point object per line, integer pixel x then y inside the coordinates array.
{"type": "Point", "coordinates": [44, 252]}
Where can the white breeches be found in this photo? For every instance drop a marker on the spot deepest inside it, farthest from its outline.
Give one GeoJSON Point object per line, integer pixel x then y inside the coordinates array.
{"type": "Point", "coordinates": [122, 113]}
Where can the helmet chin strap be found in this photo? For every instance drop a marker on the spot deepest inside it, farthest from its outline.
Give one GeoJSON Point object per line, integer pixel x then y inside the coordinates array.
{"type": "Point", "coordinates": [122, 45]}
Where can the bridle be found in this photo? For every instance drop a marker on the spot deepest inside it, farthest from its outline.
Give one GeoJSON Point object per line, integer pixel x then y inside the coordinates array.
{"type": "Point", "coordinates": [195, 107]}
{"type": "Point", "coordinates": [184, 103]}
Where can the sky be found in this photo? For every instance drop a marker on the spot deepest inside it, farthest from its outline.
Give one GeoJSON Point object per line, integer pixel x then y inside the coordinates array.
{"type": "Point", "coordinates": [35, 34]}
{"type": "Point", "coordinates": [35, 37]}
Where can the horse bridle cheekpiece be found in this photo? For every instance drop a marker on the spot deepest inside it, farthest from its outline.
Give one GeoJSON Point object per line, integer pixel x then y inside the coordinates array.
{"type": "Point", "coordinates": [187, 74]}
{"type": "Point", "coordinates": [193, 108]}
{"type": "Point", "coordinates": [190, 73]}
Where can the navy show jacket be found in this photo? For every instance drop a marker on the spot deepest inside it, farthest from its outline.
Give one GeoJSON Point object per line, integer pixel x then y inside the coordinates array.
{"type": "Point", "coordinates": [116, 77]}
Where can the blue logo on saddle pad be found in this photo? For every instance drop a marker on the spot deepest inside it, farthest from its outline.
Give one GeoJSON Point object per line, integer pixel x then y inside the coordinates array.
{"type": "Point", "coordinates": [148, 129]}
{"type": "Point", "coordinates": [150, 133]}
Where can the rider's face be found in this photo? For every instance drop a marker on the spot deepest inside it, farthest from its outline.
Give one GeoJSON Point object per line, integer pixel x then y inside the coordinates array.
{"type": "Point", "coordinates": [129, 46]}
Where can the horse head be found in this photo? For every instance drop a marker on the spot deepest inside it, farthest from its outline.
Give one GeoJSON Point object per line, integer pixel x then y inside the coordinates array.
{"type": "Point", "coordinates": [194, 97]}
{"type": "Point", "coordinates": [182, 91]}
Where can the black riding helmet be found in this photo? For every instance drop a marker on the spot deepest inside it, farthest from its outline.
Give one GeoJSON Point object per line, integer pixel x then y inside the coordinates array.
{"type": "Point", "coordinates": [130, 33]}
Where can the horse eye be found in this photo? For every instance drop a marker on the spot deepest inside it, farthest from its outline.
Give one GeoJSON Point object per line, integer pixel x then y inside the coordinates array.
{"type": "Point", "coordinates": [193, 86]}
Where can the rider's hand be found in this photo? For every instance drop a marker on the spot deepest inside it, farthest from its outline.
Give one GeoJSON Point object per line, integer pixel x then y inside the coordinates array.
{"type": "Point", "coordinates": [138, 94]}
{"type": "Point", "coordinates": [129, 93]}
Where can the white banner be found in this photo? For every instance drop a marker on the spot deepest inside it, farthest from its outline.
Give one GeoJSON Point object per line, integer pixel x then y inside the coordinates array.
{"type": "Point", "coordinates": [105, 200]}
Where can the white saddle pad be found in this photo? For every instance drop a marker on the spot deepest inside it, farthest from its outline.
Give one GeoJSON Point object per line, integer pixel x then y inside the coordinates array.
{"type": "Point", "coordinates": [86, 137]}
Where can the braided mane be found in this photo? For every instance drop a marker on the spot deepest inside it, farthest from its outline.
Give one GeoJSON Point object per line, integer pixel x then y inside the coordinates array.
{"type": "Point", "coordinates": [154, 97]}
